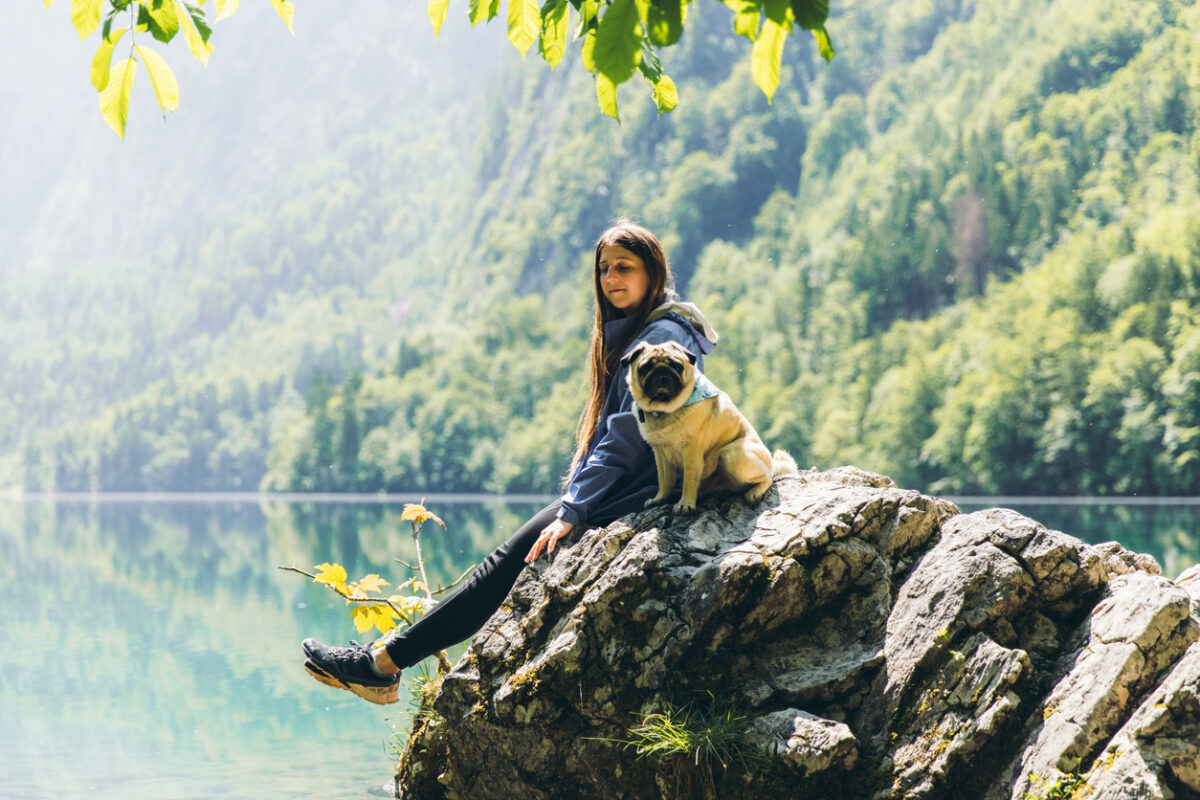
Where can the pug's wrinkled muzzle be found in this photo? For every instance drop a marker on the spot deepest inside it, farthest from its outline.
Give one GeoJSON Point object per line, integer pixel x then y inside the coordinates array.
{"type": "Point", "coordinates": [662, 383]}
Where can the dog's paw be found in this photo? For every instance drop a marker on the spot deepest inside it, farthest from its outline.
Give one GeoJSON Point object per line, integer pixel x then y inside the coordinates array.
{"type": "Point", "coordinates": [757, 492]}
{"type": "Point", "coordinates": [654, 501]}
{"type": "Point", "coordinates": [684, 507]}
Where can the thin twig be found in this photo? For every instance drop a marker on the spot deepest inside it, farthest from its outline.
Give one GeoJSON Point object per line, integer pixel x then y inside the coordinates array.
{"type": "Point", "coordinates": [457, 581]}
{"type": "Point", "coordinates": [350, 598]}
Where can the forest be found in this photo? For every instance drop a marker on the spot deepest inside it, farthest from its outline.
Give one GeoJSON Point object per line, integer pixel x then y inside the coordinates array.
{"type": "Point", "coordinates": [964, 253]}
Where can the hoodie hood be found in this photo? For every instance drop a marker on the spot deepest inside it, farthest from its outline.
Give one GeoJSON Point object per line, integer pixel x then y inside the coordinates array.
{"type": "Point", "coordinates": [693, 316]}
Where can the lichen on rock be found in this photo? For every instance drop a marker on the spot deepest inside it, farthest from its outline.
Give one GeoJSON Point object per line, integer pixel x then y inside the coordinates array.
{"type": "Point", "coordinates": [876, 642]}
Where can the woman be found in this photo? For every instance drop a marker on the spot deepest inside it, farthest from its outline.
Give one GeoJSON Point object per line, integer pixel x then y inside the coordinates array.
{"type": "Point", "coordinates": [612, 473]}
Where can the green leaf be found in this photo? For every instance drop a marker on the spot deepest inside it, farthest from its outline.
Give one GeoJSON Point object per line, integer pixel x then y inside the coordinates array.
{"type": "Point", "coordinates": [286, 11]}
{"type": "Point", "coordinates": [554, 31]}
{"type": "Point", "coordinates": [437, 14]}
{"type": "Point", "coordinates": [766, 56]}
{"type": "Point", "coordinates": [225, 8]}
{"type": "Point", "coordinates": [650, 66]}
{"type": "Point", "coordinates": [166, 88]}
{"type": "Point", "coordinates": [824, 44]}
{"type": "Point", "coordinates": [606, 94]}
{"type": "Point", "coordinates": [199, 20]}
{"type": "Point", "coordinates": [810, 14]}
{"type": "Point", "coordinates": [524, 24]}
{"type": "Point", "coordinates": [102, 59]}
{"type": "Point", "coordinates": [114, 100]}
{"type": "Point", "coordinates": [163, 20]}
{"type": "Point", "coordinates": [85, 16]}
{"type": "Point", "coordinates": [194, 35]}
{"type": "Point", "coordinates": [666, 97]}
{"type": "Point", "coordinates": [484, 10]}
{"type": "Point", "coordinates": [779, 12]}
{"type": "Point", "coordinates": [588, 10]}
{"type": "Point", "coordinates": [664, 22]}
{"type": "Point", "coordinates": [618, 43]}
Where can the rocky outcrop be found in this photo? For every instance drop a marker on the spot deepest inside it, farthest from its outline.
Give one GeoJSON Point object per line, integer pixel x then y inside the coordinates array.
{"type": "Point", "coordinates": [842, 639]}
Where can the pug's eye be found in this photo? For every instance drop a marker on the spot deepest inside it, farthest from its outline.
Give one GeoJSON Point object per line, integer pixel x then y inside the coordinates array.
{"type": "Point", "coordinates": [645, 369]}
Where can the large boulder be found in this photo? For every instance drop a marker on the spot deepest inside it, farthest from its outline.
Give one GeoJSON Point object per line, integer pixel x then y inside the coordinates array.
{"type": "Point", "coordinates": [844, 638]}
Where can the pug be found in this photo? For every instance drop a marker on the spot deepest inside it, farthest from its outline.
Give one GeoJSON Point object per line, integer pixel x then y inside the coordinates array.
{"type": "Point", "coordinates": [693, 426]}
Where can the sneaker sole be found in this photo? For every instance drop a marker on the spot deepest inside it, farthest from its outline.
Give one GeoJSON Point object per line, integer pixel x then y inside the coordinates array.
{"type": "Point", "coordinates": [379, 695]}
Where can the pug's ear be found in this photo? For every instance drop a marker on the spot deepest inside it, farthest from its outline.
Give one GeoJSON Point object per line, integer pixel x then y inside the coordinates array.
{"type": "Point", "coordinates": [633, 354]}
{"type": "Point", "coordinates": [691, 357]}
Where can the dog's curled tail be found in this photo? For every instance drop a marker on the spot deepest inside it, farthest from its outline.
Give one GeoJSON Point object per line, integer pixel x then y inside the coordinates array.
{"type": "Point", "coordinates": [783, 464]}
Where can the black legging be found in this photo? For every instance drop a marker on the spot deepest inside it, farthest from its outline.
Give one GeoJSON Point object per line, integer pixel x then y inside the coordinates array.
{"type": "Point", "coordinates": [464, 610]}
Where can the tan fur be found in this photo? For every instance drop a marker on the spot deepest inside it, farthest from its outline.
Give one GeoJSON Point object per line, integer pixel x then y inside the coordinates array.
{"type": "Point", "coordinates": [714, 445]}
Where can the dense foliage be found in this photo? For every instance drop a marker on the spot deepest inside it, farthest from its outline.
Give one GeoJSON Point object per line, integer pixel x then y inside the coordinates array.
{"type": "Point", "coordinates": [617, 38]}
{"type": "Point", "coordinates": [965, 253]}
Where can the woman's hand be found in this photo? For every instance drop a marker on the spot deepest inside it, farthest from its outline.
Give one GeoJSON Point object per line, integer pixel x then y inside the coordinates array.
{"type": "Point", "coordinates": [548, 538]}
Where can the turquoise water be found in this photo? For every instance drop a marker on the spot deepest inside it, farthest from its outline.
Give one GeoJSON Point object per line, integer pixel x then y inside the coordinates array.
{"type": "Point", "coordinates": [150, 650]}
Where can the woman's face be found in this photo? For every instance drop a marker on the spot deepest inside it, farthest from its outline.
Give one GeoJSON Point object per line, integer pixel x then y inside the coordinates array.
{"type": "Point", "coordinates": [623, 278]}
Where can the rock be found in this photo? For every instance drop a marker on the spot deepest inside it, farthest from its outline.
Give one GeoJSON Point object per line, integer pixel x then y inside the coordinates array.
{"type": "Point", "coordinates": [805, 743]}
{"type": "Point", "coordinates": [844, 638]}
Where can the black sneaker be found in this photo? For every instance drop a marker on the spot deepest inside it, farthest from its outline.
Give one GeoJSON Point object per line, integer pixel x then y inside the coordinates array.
{"type": "Point", "coordinates": [349, 668]}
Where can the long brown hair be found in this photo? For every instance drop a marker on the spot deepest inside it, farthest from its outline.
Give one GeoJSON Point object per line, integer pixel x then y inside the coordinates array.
{"type": "Point", "coordinates": [604, 356]}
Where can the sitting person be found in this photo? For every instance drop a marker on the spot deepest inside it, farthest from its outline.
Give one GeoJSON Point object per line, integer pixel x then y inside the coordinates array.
{"type": "Point", "coordinates": [613, 472]}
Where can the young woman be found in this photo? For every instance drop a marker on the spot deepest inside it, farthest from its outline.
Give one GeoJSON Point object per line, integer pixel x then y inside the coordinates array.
{"type": "Point", "coordinates": [612, 473]}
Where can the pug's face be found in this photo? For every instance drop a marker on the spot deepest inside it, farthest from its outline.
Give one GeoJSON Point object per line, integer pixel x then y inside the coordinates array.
{"type": "Point", "coordinates": [661, 374]}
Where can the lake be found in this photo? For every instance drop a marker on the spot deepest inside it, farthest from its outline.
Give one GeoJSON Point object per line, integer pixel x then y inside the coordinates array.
{"type": "Point", "coordinates": [151, 649]}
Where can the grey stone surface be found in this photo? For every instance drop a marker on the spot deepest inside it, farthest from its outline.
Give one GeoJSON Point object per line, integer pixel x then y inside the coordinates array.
{"type": "Point", "coordinates": [876, 642]}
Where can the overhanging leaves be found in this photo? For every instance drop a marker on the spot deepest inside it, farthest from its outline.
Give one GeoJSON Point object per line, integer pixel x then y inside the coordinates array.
{"type": "Point", "coordinates": [114, 100]}
{"type": "Point", "coordinates": [618, 44]}
{"type": "Point", "coordinates": [85, 16]}
{"type": "Point", "coordinates": [166, 88]}
{"type": "Point", "coordinates": [766, 56]}
{"type": "Point", "coordinates": [810, 14]}
{"type": "Point", "coordinates": [437, 14]}
{"type": "Point", "coordinates": [103, 58]}
{"type": "Point", "coordinates": [554, 31]}
{"type": "Point", "coordinates": [665, 22]}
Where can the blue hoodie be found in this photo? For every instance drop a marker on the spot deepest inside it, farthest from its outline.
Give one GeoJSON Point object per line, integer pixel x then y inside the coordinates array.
{"type": "Point", "coordinates": [618, 475]}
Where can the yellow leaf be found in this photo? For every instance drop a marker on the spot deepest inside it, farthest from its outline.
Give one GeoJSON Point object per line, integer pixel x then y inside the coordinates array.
{"type": "Point", "coordinates": [332, 575]}
{"type": "Point", "coordinates": [385, 622]}
{"type": "Point", "coordinates": [103, 58]}
{"type": "Point", "coordinates": [114, 100]}
{"type": "Point", "coordinates": [766, 56]}
{"type": "Point", "coordinates": [419, 586]}
{"type": "Point", "coordinates": [606, 95]}
{"type": "Point", "coordinates": [286, 11]}
{"type": "Point", "coordinates": [195, 42]}
{"type": "Point", "coordinates": [371, 583]}
{"type": "Point", "coordinates": [666, 96]}
{"type": "Point", "coordinates": [362, 618]}
{"type": "Point", "coordinates": [524, 24]}
{"type": "Point", "coordinates": [415, 512]}
{"type": "Point", "coordinates": [166, 88]}
{"type": "Point", "coordinates": [85, 16]}
{"type": "Point", "coordinates": [49, 3]}
{"type": "Point", "coordinates": [437, 14]}
{"type": "Point", "coordinates": [225, 8]}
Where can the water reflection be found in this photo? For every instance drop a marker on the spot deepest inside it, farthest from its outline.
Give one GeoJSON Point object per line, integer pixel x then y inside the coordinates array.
{"type": "Point", "coordinates": [151, 649]}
